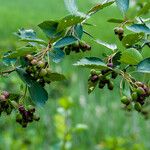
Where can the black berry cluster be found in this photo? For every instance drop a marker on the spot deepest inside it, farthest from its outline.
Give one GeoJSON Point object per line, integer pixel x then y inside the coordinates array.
{"type": "Point", "coordinates": [77, 47]}
{"type": "Point", "coordinates": [120, 32]}
{"type": "Point", "coordinates": [103, 78]}
{"type": "Point", "coordinates": [38, 70]}
{"type": "Point", "coordinates": [26, 116]}
{"type": "Point", "coordinates": [5, 105]}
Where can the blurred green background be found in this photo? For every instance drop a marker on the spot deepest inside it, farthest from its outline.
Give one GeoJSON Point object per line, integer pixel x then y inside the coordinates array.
{"type": "Point", "coordinates": [109, 127]}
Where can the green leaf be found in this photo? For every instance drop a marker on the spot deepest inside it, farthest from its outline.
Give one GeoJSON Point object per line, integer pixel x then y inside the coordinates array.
{"type": "Point", "coordinates": [69, 21]}
{"type": "Point", "coordinates": [131, 57]}
{"type": "Point", "coordinates": [91, 62]}
{"type": "Point", "coordinates": [139, 28]}
{"type": "Point", "coordinates": [131, 39]}
{"type": "Point", "coordinates": [91, 86]}
{"type": "Point", "coordinates": [116, 59]}
{"type": "Point", "coordinates": [123, 5]}
{"type": "Point", "coordinates": [37, 92]}
{"type": "Point", "coordinates": [21, 52]}
{"type": "Point", "coordinates": [29, 35]}
{"type": "Point", "coordinates": [68, 40]}
{"type": "Point", "coordinates": [56, 77]}
{"type": "Point", "coordinates": [50, 29]}
{"type": "Point", "coordinates": [109, 46]}
{"type": "Point", "coordinates": [78, 29]}
{"type": "Point", "coordinates": [144, 10]}
{"type": "Point", "coordinates": [98, 7]}
{"type": "Point", "coordinates": [57, 55]}
{"type": "Point", "coordinates": [114, 20]}
{"type": "Point", "coordinates": [144, 66]}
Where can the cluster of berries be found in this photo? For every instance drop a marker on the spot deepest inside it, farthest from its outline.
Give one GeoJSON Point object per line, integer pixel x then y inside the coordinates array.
{"type": "Point", "coordinates": [76, 47]}
{"type": "Point", "coordinates": [103, 78]}
{"type": "Point", "coordinates": [38, 70]}
{"type": "Point", "coordinates": [5, 105]}
{"type": "Point", "coordinates": [26, 116]}
{"type": "Point", "coordinates": [120, 32]}
{"type": "Point", "coordinates": [139, 93]}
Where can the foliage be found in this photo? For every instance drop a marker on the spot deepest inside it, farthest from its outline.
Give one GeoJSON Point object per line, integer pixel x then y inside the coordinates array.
{"type": "Point", "coordinates": [32, 61]}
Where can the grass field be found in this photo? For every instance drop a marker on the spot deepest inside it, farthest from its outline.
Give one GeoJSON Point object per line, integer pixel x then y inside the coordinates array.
{"type": "Point", "coordinates": [100, 111]}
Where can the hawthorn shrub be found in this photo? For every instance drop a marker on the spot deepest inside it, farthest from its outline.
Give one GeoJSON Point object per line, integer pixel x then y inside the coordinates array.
{"type": "Point", "coordinates": [32, 61]}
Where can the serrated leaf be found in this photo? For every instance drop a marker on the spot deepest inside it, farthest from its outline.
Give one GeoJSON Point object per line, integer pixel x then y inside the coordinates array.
{"type": "Point", "coordinates": [144, 66]}
{"type": "Point", "coordinates": [144, 10]}
{"type": "Point", "coordinates": [21, 52]}
{"type": "Point", "coordinates": [132, 39]}
{"type": "Point", "coordinates": [65, 41]}
{"type": "Point", "coordinates": [37, 92]}
{"type": "Point", "coordinates": [78, 30]}
{"type": "Point", "coordinates": [29, 35]}
{"type": "Point", "coordinates": [123, 5]}
{"type": "Point", "coordinates": [69, 21]}
{"type": "Point", "coordinates": [91, 62]}
{"type": "Point", "coordinates": [98, 7]}
{"type": "Point", "coordinates": [57, 55]}
{"type": "Point", "coordinates": [139, 28]}
{"type": "Point", "coordinates": [109, 46]}
{"type": "Point", "coordinates": [131, 57]}
{"type": "Point", "coordinates": [56, 77]}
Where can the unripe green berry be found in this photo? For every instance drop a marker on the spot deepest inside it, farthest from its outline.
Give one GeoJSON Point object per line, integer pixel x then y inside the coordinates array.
{"type": "Point", "coordinates": [129, 107]}
{"type": "Point", "coordinates": [19, 118]}
{"type": "Point", "coordinates": [93, 72]}
{"type": "Point", "coordinates": [140, 91]}
{"type": "Point", "coordinates": [34, 62]}
{"type": "Point", "coordinates": [41, 64]}
{"type": "Point", "coordinates": [125, 100]}
{"type": "Point", "coordinates": [36, 117]}
{"type": "Point", "coordinates": [110, 85]}
{"type": "Point", "coordinates": [138, 106]}
{"type": "Point", "coordinates": [2, 98]}
{"type": "Point", "coordinates": [139, 84]}
{"type": "Point", "coordinates": [43, 73]}
{"type": "Point", "coordinates": [134, 96]}
{"type": "Point", "coordinates": [31, 108]}
{"type": "Point", "coordinates": [6, 94]}
{"type": "Point", "coordinates": [48, 71]}
{"type": "Point", "coordinates": [29, 57]}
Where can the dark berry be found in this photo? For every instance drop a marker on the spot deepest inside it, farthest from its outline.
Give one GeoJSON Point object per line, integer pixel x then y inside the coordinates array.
{"type": "Point", "coordinates": [94, 78]}
{"type": "Point", "coordinates": [110, 65]}
{"type": "Point", "coordinates": [6, 94]}
{"type": "Point", "coordinates": [114, 75]}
